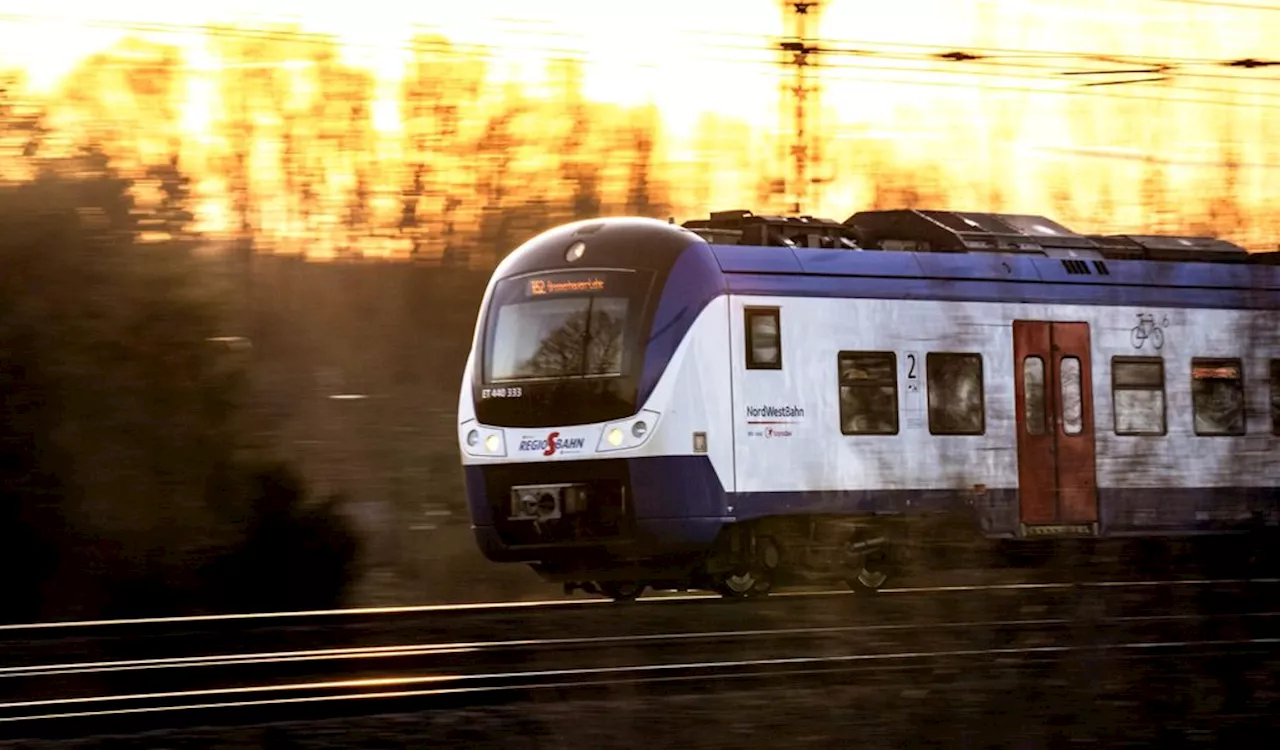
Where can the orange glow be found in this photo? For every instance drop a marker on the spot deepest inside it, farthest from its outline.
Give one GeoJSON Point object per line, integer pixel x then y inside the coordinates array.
{"type": "Point", "coordinates": [1199, 153]}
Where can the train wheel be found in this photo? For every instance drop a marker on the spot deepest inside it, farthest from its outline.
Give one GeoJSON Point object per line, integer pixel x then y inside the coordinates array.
{"type": "Point", "coordinates": [867, 581]}
{"type": "Point", "coordinates": [744, 583]}
{"type": "Point", "coordinates": [868, 570]}
{"type": "Point", "coordinates": [621, 591]}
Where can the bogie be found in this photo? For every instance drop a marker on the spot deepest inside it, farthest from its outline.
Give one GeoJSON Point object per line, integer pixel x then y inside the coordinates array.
{"type": "Point", "coordinates": [622, 591]}
{"type": "Point", "coordinates": [753, 558]}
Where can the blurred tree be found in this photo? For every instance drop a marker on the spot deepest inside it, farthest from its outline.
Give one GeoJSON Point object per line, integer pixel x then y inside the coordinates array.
{"type": "Point", "coordinates": [439, 88]}
{"type": "Point", "coordinates": [495, 153]}
{"type": "Point", "coordinates": [1267, 210]}
{"type": "Point", "coordinates": [1104, 209]}
{"type": "Point", "coordinates": [173, 215]}
{"type": "Point", "coordinates": [1091, 124]}
{"type": "Point", "coordinates": [1224, 215]}
{"type": "Point", "coordinates": [124, 102]}
{"type": "Point", "coordinates": [122, 347]}
{"type": "Point", "coordinates": [639, 196]}
{"type": "Point", "coordinates": [30, 489]}
{"type": "Point", "coordinates": [299, 149]}
{"type": "Point", "coordinates": [358, 207]}
{"type": "Point", "coordinates": [22, 128]}
{"type": "Point", "coordinates": [1159, 212]}
{"type": "Point", "coordinates": [342, 111]}
{"type": "Point", "coordinates": [1061, 197]}
{"type": "Point", "coordinates": [410, 202]}
{"type": "Point", "coordinates": [256, 85]}
{"type": "Point", "coordinates": [579, 174]}
{"type": "Point", "coordinates": [709, 159]}
{"type": "Point", "coordinates": [294, 555]}
{"type": "Point", "coordinates": [587, 202]}
{"type": "Point", "coordinates": [118, 415]}
{"type": "Point", "coordinates": [894, 186]}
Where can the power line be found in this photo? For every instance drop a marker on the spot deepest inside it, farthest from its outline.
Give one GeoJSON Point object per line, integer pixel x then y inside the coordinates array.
{"type": "Point", "coordinates": [1030, 74]}
{"type": "Point", "coordinates": [1218, 4]}
{"type": "Point", "coordinates": [1089, 92]}
{"type": "Point", "coordinates": [833, 72]}
{"type": "Point", "coordinates": [903, 52]}
{"type": "Point", "coordinates": [954, 53]}
{"type": "Point", "coordinates": [1051, 78]}
{"type": "Point", "coordinates": [1149, 159]}
{"type": "Point", "coordinates": [890, 50]}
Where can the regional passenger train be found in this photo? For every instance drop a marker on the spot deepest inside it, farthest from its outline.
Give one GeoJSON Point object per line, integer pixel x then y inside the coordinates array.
{"type": "Point", "coordinates": [743, 400]}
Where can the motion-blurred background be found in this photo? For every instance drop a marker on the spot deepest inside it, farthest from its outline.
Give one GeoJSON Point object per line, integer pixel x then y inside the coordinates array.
{"type": "Point", "coordinates": [242, 244]}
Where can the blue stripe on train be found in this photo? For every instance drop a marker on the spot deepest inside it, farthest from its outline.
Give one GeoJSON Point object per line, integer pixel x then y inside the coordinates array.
{"type": "Point", "coordinates": [964, 290]}
{"type": "Point", "coordinates": [693, 282]}
{"type": "Point", "coordinates": [983, 277]}
{"type": "Point", "coordinates": [1147, 510]}
{"type": "Point", "coordinates": [991, 267]}
{"type": "Point", "coordinates": [670, 488]}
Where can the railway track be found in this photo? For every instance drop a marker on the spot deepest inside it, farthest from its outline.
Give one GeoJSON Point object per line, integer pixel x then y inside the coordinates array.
{"type": "Point", "coordinates": [142, 638]}
{"type": "Point", "coordinates": [60, 629]}
{"type": "Point", "coordinates": [663, 644]}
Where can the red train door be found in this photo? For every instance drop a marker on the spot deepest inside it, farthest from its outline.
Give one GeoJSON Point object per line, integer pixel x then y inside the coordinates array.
{"type": "Point", "coordinates": [1057, 481]}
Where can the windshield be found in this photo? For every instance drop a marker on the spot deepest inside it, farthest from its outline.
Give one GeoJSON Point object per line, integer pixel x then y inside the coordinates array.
{"type": "Point", "coordinates": [563, 325]}
{"type": "Point", "coordinates": [558, 338]}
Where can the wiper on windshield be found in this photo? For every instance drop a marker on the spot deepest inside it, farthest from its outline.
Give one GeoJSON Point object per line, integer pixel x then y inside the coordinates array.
{"type": "Point", "coordinates": [586, 336]}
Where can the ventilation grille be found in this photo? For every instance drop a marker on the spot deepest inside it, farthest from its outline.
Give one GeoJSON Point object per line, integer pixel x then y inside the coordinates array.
{"type": "Point", "coordinates": [1062, 529]}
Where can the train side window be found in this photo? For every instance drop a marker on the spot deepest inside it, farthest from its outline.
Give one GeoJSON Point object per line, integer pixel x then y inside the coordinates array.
{"type": "Point", "coordinates": [1070, 396]}
{"type": "Point", "coordinates": [1217, 396]}
{"type": "Point", "coordinates": [1275, 397]}
{"type": "Point", "coordinates": [1137, 395]}
{"type": "Point", "coordinates": [1033, 394]}
{"type": "Point", "coordinates": [868, 393]}
{"type": "Point", "coordinates": [764, 338]}
{"type": "Point", "coordinates": [956, 402]}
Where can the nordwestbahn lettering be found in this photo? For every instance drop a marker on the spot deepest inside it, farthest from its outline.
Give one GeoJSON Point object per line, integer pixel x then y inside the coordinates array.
{"type": "Point", "coordinates": [775, 411]}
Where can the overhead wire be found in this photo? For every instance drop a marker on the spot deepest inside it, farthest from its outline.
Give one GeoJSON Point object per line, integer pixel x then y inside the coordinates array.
{"type": "Point", "coordinates": [822, 46]}
{"type": "Point", "coordinates": [987, 57]}
{"type": "Point", "coordinates": [843, 73]}
{"type": "Point", "coordinates": [1034, 74]}
{"type": "Point", "coordinates": [1223, 4]}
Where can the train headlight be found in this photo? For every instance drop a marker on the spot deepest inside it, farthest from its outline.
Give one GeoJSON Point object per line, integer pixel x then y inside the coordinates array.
{"type": "Point", "coordinates": [631, 433]}
{"type": "Point", "coordinates": [480, 441]}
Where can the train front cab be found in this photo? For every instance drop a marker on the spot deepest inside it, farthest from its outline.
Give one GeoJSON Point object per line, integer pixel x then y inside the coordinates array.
{"type": "Point", "coordinates": [584, 442]}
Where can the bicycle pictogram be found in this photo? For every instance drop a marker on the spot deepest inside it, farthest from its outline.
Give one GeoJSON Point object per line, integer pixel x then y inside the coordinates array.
{"type": "Point", "coordinates": [1147, 329]}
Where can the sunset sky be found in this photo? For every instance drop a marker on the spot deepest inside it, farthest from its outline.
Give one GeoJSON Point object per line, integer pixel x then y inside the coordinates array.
{"type": "Point", "coordinates": [1012, 120]}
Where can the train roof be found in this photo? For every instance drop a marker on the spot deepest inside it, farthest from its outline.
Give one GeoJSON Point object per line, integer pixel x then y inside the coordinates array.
{"type": "Point", "coordinates": [963, 247]}
{"type": "Point", "coordinates": [741, 227]}
{"type": "Point", "coordinates": [937, 231]}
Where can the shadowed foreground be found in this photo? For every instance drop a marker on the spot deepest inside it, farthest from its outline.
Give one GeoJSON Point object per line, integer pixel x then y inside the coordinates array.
{"type": "Point", "coordinates": [1112, 662]}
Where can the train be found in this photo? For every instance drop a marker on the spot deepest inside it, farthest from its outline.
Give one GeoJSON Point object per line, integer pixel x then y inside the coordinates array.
{"type": "Point", "coordinates": [744, 400]}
